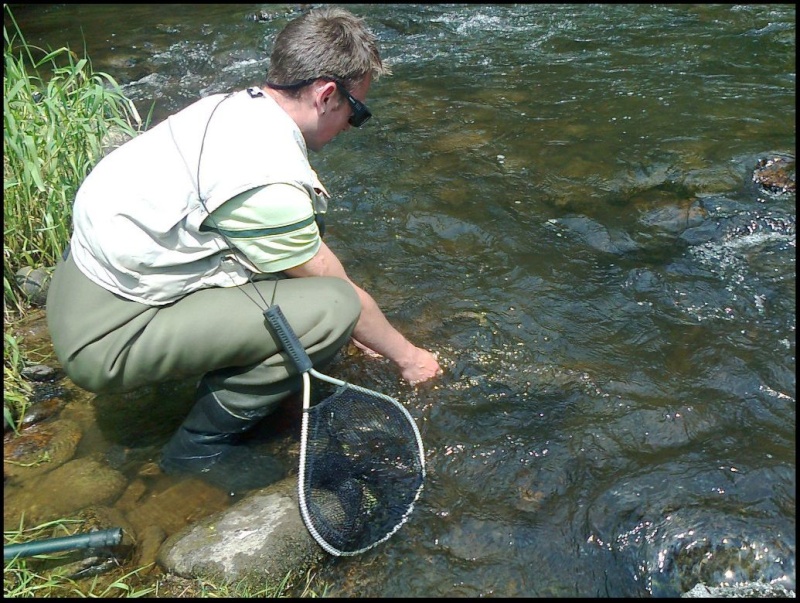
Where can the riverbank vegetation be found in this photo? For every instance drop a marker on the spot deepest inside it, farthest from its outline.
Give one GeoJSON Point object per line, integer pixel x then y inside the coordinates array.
{"type": "Point", "coordinates": [59, 116]}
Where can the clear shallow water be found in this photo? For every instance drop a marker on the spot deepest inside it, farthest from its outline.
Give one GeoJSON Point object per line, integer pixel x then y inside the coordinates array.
{"type": "Point", "coordinates": [557, 199]}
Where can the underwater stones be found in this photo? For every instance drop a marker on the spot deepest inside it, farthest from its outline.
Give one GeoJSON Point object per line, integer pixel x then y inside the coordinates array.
{"type": "Point", "coordinates": [40, 448]}
{"type": "Point", "coordinates": [741, 590]}
{"type": "Point", "coordinates": [43, 498]}
{"type": "Point", "coordinates": [150, 540]}
{"type": "Point", "coordinates": [167, 508]}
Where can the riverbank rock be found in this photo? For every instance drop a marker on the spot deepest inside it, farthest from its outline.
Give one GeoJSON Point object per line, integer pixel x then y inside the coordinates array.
{"type": "Point", "coordinates": [261, 536]}
{"type": "Point", "coordinates": [34, 283]}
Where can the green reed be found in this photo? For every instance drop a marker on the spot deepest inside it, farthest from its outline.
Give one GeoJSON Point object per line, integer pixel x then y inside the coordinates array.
{"type": "Point", "coordinates": [58, 114]}
{"type": "Point", "coordinates": [16, 391]}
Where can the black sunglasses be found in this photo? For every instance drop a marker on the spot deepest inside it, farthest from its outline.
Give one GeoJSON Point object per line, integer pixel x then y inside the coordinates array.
{"type": "Point", "coordinates": [361, 113]}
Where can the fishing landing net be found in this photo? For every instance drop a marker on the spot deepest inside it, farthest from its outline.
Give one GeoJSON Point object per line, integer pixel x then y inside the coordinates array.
{"type": "Point", "coordinates": [361, 469]}
{"type": "Point", "coordinates": [361, 458]}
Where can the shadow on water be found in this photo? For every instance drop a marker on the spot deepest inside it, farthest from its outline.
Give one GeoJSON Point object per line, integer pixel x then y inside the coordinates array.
{"type": "Point", "coordinates": [560, 202]}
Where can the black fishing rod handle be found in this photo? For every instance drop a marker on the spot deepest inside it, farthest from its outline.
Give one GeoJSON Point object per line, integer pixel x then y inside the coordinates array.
{"type": "Point", "coordinates": [291, 343]}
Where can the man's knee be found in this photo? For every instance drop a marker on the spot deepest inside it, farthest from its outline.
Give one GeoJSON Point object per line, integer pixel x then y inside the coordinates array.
{"type": "Point", "coordinates": [344, 300]}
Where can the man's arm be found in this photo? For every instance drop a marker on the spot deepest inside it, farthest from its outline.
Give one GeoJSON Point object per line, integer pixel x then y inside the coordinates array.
{"type": "Point", "coordinates": [373, 330]}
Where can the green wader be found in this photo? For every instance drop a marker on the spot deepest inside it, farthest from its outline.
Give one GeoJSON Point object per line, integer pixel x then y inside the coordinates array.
{"type": "Point", "coordinates": [106, 343]}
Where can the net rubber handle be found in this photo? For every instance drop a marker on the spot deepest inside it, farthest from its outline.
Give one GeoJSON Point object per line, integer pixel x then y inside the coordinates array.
{"type": "Point", "coordinates": [289, 339]}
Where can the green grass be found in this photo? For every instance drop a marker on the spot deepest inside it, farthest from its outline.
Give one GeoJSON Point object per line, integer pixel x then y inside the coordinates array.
{"type": "Point", "coordinates": [31, 577]}
{"type": "Point", "coordinates": [16, 390]}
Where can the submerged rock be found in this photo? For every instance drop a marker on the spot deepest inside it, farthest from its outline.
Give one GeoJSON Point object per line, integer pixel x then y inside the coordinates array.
{"type": "Point", "coordinates": [168, 507]}
{"type": "Point", "coordinates": [62, 492]}
{"type": "Point", "coordinates": [40, 448]}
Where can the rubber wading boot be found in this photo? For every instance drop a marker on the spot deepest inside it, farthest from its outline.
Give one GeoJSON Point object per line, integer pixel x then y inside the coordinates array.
{"type": "Point", "coordinates": [208, 444]}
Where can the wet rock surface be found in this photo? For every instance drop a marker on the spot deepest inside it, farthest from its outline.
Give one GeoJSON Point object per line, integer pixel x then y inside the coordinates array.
{"type": "Point", "coordinates": [262, 535]}
{"type": "Point", "coordinates": [39, 449]}
{"type": "Point", "coordinates": [776, 174]}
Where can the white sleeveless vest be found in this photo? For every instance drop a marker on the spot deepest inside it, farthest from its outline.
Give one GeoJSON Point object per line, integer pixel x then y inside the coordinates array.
{"type": "Point", "coordinates": [137, 215]}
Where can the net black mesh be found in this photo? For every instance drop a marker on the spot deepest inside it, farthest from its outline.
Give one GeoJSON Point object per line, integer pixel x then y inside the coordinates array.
{"type": "Point", "coordinates": [363, 469]}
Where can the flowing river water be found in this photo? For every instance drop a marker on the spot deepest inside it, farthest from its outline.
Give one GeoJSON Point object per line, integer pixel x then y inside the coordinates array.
{"type": "Point", "coordinates": [558, 199]}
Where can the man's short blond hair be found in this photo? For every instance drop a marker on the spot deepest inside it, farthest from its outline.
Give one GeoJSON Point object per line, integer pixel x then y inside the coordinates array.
{"type": "Point", "coordinates": [325, 42]}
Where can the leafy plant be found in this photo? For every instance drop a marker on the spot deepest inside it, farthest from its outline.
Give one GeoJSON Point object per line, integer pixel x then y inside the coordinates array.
{"type": "Point", "coordinates": [16, 390]}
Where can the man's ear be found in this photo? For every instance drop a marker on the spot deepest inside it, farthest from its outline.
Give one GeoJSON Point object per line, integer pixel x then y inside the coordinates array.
{"type": "Point", "coordinates": [325, 96]}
